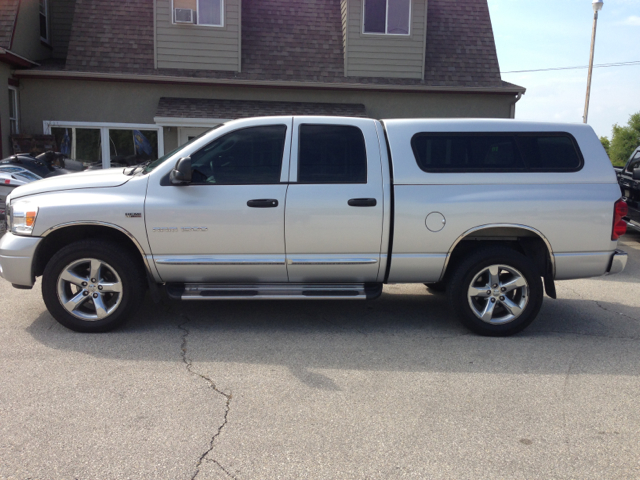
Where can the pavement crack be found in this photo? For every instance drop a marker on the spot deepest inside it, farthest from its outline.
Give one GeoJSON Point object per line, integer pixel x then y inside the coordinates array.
{"type": "Point", "coordinates": [227, 407]}
{"type": "Point", "coordinates": [603, 308]}
{"type": "Point", "coordinates": [229, 474]}
{"type": "Point", "coordinates": [619, 313]}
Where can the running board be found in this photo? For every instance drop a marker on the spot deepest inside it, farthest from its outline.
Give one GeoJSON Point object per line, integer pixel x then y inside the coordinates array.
{"type": "Point", "coordinates": [274, 291]}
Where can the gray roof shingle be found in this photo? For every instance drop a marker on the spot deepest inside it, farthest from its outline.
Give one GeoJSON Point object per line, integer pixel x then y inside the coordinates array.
{"type": "Point", "coordinates": [288, 40]}
{"type": "Point", "coordinates": [8, 12]}
{"type": "Point", "coordinates": [232, 109]}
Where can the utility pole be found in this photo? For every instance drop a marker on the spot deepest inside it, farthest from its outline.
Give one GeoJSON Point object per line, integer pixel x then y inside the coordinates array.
{"type": "Point", "coordinates": [597, 6]}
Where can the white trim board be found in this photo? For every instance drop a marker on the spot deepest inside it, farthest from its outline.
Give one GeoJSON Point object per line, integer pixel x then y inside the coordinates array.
{"type": "Point", "coordinates": [104, 133]}
{"type": "Point", "coordinates": [189, 122]}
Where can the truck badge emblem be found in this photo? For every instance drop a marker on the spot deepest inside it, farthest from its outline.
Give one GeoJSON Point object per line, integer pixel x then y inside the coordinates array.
{"type": "Point", "coordinates": [194, 229]}
{"type": "Point", "coordinates": [133, 215]}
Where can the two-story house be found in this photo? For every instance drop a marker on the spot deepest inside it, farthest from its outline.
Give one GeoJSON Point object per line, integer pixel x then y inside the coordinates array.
{"type": "Point", "coordinates": [93, 72]}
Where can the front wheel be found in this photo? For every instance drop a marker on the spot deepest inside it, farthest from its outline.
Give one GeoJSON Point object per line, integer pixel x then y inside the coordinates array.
{"type": "Point", "coordinates": [496, 292]}
{"type": "Point", "coordinates": [92, 286]}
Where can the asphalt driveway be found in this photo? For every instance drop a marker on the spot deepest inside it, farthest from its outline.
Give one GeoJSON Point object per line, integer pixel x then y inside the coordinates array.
{"type": "Point", "coordinates": [393, 388]}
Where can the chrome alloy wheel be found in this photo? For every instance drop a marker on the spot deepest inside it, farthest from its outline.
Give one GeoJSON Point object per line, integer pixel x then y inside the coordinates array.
{"type": "Point", "coordinates": [498, 294]}
{"type": "Point", "coordinates": [89, 289]}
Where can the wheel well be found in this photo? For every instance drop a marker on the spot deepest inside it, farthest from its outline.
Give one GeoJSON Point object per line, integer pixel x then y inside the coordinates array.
{"type": "Point", "coordinates": [524, 241]}
{"type": "Point", "coordinates": [58, 239]}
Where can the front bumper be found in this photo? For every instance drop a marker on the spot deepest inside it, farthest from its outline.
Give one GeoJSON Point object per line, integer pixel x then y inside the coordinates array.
{"type": "Point", "coordinates": [618, 262]}
{"type": "Point", "coordinates": [16, 259]}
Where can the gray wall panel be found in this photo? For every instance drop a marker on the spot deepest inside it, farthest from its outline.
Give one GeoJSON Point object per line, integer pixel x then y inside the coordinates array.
{"type": "Point", "coordinates": [121, 102]}
{"type": "Point", "coordinates": [400, 56]}
{"type": "Point", "coordinates": [198, 47]}
{"type": "Point", "coordinates": [5, 74]}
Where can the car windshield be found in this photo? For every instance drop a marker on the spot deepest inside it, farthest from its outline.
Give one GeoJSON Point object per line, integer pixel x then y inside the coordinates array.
{"type": "Point", "coordinates": [162, 159]}
{"type": "Point", "coordinates": [21, 172]}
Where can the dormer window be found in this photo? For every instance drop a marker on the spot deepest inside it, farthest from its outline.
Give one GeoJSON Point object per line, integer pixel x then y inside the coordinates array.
{"type": "Point", "coordinates": [44, 20]}
{"type": "Point", "coordinates": [387, 17]}
{"type": "Point", "coordinates": [199, 12]}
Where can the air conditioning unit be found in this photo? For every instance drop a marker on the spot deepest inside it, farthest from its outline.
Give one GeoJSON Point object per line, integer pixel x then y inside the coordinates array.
{"type": "Point", "coordinates": [184, 15]}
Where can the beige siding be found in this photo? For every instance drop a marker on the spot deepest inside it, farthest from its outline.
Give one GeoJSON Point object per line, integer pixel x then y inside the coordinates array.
{"type": "Point", "coordinates": [399, 56]}
{"type": "Point", "coordinates": [26, 40]}
{"type": "Point", "coordinates": [198, 47]}
{"type": "Point", "coordinates": [344, 8]}
{"type": "Point", "coordinates": [61, 20]}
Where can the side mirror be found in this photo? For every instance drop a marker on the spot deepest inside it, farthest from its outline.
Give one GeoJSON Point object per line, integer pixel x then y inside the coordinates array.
{"type": "Point", "coordinates": [634, 168]}
{"type": "Point", "coordinates": [181, 173]}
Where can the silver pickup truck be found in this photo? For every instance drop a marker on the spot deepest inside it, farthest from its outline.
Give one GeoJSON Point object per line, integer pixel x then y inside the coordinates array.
{"type": "Point", "coordinates": [490, 211]}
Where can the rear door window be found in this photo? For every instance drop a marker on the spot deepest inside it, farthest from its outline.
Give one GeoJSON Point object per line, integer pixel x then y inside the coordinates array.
{"type": "Point", "coordinates": [332, 154]}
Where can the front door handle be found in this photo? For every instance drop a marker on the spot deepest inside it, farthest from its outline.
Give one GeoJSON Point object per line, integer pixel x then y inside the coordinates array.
{"type": "Point", "coordinates": [362, 202]}
{"type": "Point", "coordinates": [263, 203]}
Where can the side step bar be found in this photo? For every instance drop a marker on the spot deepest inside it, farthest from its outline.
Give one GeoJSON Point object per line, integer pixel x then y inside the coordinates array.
{"type": "Point", "coordinates": [274, 291]}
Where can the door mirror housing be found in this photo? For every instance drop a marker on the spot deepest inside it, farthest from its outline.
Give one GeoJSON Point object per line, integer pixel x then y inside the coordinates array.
{"type": "Point", "coordinates": [636, 172]}
{"type": "Point", "coordinates": [181, 173]}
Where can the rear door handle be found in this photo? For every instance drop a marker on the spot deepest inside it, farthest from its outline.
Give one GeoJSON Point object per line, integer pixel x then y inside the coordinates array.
{"type": "Point", "coordinates": [362, 202]}
{"type": "Point", "coordinates": [263, 203]}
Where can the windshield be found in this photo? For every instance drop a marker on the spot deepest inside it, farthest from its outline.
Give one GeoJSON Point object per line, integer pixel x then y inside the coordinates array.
{"type": "Point", "coordinates": [21, 172]}
{"type": "Point", "coordinates": [162, 159]}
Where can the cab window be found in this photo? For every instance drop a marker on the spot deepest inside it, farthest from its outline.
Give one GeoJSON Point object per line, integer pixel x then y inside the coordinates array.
{"type": "Point", "coordinates": [244, 157]}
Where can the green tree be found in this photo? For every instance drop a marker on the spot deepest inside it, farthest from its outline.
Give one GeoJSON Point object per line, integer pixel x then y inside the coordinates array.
{"type": "Point", "coordinates": [624, 140]}
{"type": "Point", "coordinates": [605, 143]}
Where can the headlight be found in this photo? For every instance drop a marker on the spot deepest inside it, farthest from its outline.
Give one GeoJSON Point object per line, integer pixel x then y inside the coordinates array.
{"type": "Point", "coordinates": [21, 217]}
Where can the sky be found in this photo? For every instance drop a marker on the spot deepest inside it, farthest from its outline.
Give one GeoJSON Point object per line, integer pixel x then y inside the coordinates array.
{"type": "Point", "coordinates": [534, 35]}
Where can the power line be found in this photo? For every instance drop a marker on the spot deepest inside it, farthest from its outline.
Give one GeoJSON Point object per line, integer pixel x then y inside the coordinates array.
{"type": "Point", "coordinates": [602, 65]}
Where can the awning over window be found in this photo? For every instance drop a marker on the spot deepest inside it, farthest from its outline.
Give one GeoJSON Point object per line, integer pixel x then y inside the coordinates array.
{"type": "Point", "coordinates": [202, 111]}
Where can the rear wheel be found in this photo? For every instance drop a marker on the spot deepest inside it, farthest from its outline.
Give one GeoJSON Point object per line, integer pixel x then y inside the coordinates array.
{"type": "Point", "coordinates": [92, 286]}
{"type": "Point", "coordinates": [496, 292]}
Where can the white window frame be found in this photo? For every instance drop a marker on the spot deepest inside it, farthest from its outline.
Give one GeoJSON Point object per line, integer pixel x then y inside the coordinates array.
{"type": "Point", "coordinates": [14, 116]}
{"type": "Point", "coordinates": [104, 134]}
{"type": "Point", "coordinates": [173, 16]}
{"type": "Point", "coordinates": [46, 21]}
{"type": "Point", "coordinates": [386, 21]}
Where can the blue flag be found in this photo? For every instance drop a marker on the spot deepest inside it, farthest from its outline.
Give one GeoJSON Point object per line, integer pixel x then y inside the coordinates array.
{"type": "Point", "coordinates": [65, 146]}
{"type": "Point", "coordinates": [141, 143]}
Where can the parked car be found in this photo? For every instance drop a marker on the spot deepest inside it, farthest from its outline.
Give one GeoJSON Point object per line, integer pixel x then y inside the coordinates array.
{"type": "Point", "coordinates": [327, 208]}
{"type": "Point", "coordinates": [47, 164]}
{"type": "Point", "coordinates": [629, 180]}
{"type": "Point", "coordinates": [10, 178]}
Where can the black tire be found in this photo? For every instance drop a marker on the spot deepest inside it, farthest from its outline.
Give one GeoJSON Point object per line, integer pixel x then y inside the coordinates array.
{"type": "Point", "coordinates": [436, 287]}
{"type": "Point", "coordinates": [476, 270]}
{"type": "Point", "coordinates": [117, 268]}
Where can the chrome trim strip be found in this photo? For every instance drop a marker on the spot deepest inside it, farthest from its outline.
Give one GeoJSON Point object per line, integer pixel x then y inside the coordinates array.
{"type": "Point", "coordinates": [273, 286]}
{"type": "Point", "coordinates": [275, 291]}
{"type": "Point", "coordinates": [109, 225]}
{"type": "Point", "coordinates": [276, 297]}
{"type": "Point", "coordinates": [499, 225]}
{"type": "Point", "coordinates": [332, 261]}
{"type": "Point", "coordinates": [217, 261]}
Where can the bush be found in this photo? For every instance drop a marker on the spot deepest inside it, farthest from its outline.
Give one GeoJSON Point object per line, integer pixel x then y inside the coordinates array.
{"type": "Point", "coordinates": [624, 140]}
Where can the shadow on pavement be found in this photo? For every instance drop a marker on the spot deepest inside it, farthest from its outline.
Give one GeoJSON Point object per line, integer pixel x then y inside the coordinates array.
{"type": "Point", "coordinates": [398, 332]}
